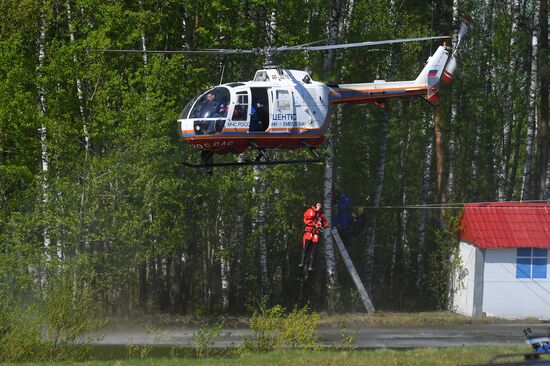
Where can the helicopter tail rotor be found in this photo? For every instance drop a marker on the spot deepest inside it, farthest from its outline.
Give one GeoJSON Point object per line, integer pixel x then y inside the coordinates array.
{"type": "Point", "coordinates": [441, 66]}
{"type": "Point", "coordinates": [451, 64]}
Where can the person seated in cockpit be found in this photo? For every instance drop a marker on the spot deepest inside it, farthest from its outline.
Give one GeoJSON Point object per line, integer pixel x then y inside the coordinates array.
{"type": "Point", "coordinates": [220, 110]}
{"type": "Point", "coordinates": [212, 108]}
{"type": "Point", "coordinates": [209, 106]}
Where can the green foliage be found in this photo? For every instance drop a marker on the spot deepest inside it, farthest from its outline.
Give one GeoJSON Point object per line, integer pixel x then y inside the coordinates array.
{"type": "Point", "coordinates": [299, 329]}
{"type": "Point", "coordinates": [20, 333]}
{"type": "Point", "coordinates": [139, 351]}
{"type": "Point", "coordinates": [266, 325]}
{"type": "Point", "coordinates": [347, 340]}
{"type": "Point", "coordinates": [153, 236]}
{"type": "Point", "coordinates": [203, 340]}
{"type": "Point", "coordinates": [58, 326]}
{"type": "Point", "coordinates": [272, 328]}
{"type": "Point", "coordinates": [444, 260]}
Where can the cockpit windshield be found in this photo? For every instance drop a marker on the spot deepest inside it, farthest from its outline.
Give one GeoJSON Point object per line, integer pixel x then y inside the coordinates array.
{"type": "Point", "coordinates": [185, 112]}
{"type": "Point", "coordinates": [212, 104]}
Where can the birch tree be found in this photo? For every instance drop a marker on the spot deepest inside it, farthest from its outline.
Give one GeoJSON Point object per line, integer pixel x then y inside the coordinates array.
{"type": "Point", "coordinates": [426, 181]}
{"type": "Point", "coordinates": [262, 228]}
{"type": "Point", "coordinates": [510, 118]}
{"type": "Point", "coordinates": [45, 160]}
{"type": "Point", "coordinates": [85, 133]}
{"type": "Point", "coordinates": [488, 74]}
{"type": "Point", "coordinates": [400, 250]}
{"type": "Point", "coordinates": [532, 122]}
{"type": "Point", "coordinates": [381, 165]}
{"type": "Point", "coordinates": [377, 198]}
{"type": "Point", "coordinates": [544, 181]}
{"type": "Point", "coordinates": [454, 111]}
{"type": "Point", "coordinates": [224, 263]}
{"type": "Point", "coordinates": [334, 26]}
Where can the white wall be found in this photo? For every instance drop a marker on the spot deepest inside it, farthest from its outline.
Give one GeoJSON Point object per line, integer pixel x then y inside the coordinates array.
{"type": "Point", "coordinates": [506, 296]}
{"type": "Point", "coordinates": [463, 280]}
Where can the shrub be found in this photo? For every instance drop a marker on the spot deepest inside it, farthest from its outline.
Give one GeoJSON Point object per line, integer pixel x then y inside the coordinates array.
{"type": "Point", "coordinates": [272, 328]}
{"type": "Point", "coordinates": [203, 339]}
{"type": "Point", "coordinates": [57, 326]}
{"type": "Point", "coordinates": [69, 316]}
{"type": "Point", "coordinates": [20, 336]}
{"type": "Point", "coordinates": [299, 329]}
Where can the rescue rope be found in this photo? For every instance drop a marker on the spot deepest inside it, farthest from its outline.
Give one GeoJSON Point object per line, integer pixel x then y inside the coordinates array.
{"type": "Point", "coordinates": [459, 205]}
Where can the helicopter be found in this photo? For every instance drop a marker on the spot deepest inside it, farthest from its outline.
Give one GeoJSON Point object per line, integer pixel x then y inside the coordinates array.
{"type": "Point", "coordinates": [287, 109]}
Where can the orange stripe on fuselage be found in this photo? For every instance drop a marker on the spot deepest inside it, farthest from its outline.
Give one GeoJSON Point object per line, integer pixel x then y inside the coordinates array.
{"type": "Point", "coordinates": [375, 97]}
{"type": "Point", "coordinates": [233, 130]}
{"type": "Point", "coordinates": [291, 129]}
{"type": "Point", "coordinates": [251, 135]}
{"type": "Point", "coordinates": [343, 90]}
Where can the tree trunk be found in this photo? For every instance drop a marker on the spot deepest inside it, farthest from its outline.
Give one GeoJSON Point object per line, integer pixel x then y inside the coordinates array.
{"type": "Point", "coordinates": [532, 123]}
{"type": "Point", "coordinates": [84, 243]}
{"type": "Point", "coordinates": [544, 180]}
{"type": "Point", "coordinates": [400, 250]}
{"type": "Point", "coordinates": [371, 231]}
{"type": "Point", "coordinates": [142, 279]}
{"type": "Point", "coordinates": [487, 70]}
{"type": "Point", "coordinates": [45, 160]}
{"type": "Point", "coordinates": [439, 160]}
{"type": "Point", "coordinates": [238, 270]}
{"type": "Point", "coordinates": [335, 26]}
{"type": "Point", "coordinates": [428, 160]}
{"type": "Point", "coordinates": [515, 163]}
{"type": "Point", "coordinates": [510, 117]}
{"type": "Point", "coordinates": [454, 111]}
{"type": "Point", "coordinates": [329, 243]}
{"type": "Point", "coordinates": [224, 263]}
{"type": "Point", "coordinates": [260, 227]}
{"type": "Point", "coordinates": [143, 39]}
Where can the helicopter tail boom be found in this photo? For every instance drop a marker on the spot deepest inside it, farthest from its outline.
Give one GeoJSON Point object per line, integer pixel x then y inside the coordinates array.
{"type": "Point", "coordinates": [425, 85]}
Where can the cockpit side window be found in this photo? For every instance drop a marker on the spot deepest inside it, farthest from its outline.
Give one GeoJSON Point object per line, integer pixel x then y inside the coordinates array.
{"type": "Point", "coordinates": [283, 100]}
{"type": "Point", "coordinates": [187, 109]}
{"type": "Point", "coordinates": [212, 104]}
{"type": "Point", "coordinates": [240, 113]}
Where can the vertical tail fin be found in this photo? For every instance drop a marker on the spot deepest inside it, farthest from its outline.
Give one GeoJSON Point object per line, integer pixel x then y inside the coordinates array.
{"type": "Point", "coordinates": [441, 66]}
{"type": "Point", "coordinates": [431, 74]}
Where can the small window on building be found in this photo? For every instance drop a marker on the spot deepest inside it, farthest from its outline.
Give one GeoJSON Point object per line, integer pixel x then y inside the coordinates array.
{"type": "Point", "coordinates": [531, 263]}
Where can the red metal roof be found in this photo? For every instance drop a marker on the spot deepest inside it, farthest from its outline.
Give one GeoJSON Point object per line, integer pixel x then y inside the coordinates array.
{"type": "Point", "coordinates": [506, 225]}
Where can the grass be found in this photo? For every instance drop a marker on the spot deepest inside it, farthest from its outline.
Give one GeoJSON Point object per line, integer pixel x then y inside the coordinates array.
{"type": "Point", "coordinates": [424, 356]}
{"type": "Point", "coordinates": [442, 318]}
{"type": "Point", "coordinates": [379, 318]}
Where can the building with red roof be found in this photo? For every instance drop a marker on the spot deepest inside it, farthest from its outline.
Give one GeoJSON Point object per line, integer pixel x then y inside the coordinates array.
{"type": "Point", "coordinates": [504, 261]}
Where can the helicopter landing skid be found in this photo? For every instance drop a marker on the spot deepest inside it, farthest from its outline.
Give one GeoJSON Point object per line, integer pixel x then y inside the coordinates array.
{"type": "Point", "coordinates": [261, 159]}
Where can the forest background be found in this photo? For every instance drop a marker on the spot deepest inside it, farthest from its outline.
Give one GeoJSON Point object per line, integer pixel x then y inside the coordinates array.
{"type": "Point", "coordinates": [96, 206]}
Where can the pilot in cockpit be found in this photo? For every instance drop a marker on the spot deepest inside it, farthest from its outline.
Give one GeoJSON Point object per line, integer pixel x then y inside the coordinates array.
{"type": "Point", "coordinates": [213, 108]}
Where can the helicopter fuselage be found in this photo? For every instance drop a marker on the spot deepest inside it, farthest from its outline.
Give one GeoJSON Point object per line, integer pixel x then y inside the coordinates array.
{"type": "Point", "coordinates": [278, 109]}
{"type": "Point", "coordinates": [286, 109]}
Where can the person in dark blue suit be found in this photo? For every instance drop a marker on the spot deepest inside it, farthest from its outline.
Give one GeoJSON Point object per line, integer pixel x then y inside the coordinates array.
{"type": "Point", "coordinates": [342, 221]}
{"type": "Point", "coordinates": [256, 112]}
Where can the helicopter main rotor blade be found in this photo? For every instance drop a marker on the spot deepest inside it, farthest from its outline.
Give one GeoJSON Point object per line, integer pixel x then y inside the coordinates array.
{"type": "Point", "coordinates": [258, 51]}
{"type": "Point", "coordinates": [210, 51]}
{"type": "Point", "coordinates": [371, 43]}
{"type": "Point", "coordinates": [298, 47]}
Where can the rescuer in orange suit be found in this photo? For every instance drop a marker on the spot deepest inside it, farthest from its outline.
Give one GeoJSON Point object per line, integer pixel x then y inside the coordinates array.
{"type": "Point", "coordinates": [315, 222]}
